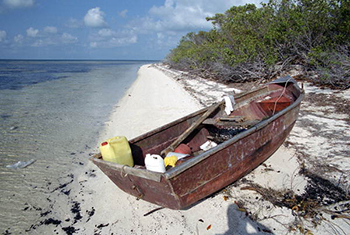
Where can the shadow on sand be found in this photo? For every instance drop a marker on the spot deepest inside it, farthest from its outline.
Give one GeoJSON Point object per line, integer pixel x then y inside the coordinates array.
{"type": "Point", "coordinates": [240, 224]}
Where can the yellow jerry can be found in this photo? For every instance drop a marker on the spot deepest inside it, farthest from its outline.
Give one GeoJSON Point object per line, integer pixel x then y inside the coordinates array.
{"type": "Point", "coordinates": [117, 149]}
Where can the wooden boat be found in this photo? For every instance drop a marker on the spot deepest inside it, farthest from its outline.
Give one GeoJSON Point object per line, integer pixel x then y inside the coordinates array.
{"type": "Point", "coordinates": [256, 128]}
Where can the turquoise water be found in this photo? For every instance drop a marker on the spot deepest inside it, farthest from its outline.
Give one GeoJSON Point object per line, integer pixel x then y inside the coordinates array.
{"type": "Point", "coordinates": [52, 112]}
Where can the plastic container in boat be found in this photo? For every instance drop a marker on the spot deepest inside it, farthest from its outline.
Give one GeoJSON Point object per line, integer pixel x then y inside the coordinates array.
{"type": "Point", "coordinates": [177, 155]}
{"type": "Point", "coordinates": [183, 148]}
{"type": "Point", "coordinates": [172, 157]}
{"type": "Point", "coordinates": [117, 149]}
{"type": "Point", "coordinates": [155, 163]}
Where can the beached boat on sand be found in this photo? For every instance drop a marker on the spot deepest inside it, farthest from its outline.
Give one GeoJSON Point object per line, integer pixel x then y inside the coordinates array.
{"type": "Point", "coordinates": [255, 129]}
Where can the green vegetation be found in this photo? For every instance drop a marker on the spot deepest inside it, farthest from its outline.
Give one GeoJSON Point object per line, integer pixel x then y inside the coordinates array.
{"type": "Point", "coordinates": [249, 43]}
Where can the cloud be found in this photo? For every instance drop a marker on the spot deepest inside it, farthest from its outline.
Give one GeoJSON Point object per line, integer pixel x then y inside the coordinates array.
{"type": "Point", "coordinates": [106, 32]}
{"type": "Point", "coordinates": [54, 39]}
{"type": "Point", "coordinates": [18, 38]}
{"type": "Point", "coordinates": [95, 18]}
{"type": "Point", "coordinates": [165, 24]}
{"type": "Point", "coordinates": [184, 15]}
{"type": "Point", "coordinates": [67, 38]}
{"type": "Point", "coordinates": [114, 42]}
{"type": "Point", "coordinates": [50, 29]}
{"type": "Point", "coordinates": [19, 3]}
{"type": "Point", "coordinates": [108, 38]}
{"type": "Point", "coordinates": [123, 13]}
{"type": "Point", "coordinates": [74, 23]}
{"type": "Point", "coordinates": [31, 32]}
{"type": "Point", "coordinates": [46, 37]}
{"type": "Point", "coordinates": [3, 35]}
{"type": "Point", "coordinates": [44, 42]}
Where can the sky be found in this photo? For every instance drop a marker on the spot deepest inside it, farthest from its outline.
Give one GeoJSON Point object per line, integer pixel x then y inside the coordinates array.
{"type": "Point", "coordinates": [102, 29]}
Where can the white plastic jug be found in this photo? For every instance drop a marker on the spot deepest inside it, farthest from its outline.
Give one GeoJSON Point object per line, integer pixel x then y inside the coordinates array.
{"type": "Point", "coordinates": [155, 163]}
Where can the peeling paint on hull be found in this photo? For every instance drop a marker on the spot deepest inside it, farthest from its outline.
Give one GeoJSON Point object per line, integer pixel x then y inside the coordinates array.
{"type": "Point", "coordinates": [270, 122]}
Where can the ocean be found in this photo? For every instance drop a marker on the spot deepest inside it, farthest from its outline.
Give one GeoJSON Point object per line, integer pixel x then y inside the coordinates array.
{"type": "Point", "coordinates": [52, 113]}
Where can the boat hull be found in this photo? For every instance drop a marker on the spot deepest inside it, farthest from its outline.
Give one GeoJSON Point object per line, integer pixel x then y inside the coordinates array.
{"type": "Point", "coordinates": [208, 172]}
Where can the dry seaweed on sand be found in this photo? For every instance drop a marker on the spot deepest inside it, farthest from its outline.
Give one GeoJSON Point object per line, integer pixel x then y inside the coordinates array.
{"type": "Point", "coordinates": [319, 195]}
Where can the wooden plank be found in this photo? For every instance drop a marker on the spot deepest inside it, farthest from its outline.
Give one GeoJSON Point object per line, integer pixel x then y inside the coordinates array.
{"type": "Point", "coordinates": [232, 119]}
{"type": "Point", "coordinates": [216, 122]}
{"type": "Point", "coordinates": [186, 133]}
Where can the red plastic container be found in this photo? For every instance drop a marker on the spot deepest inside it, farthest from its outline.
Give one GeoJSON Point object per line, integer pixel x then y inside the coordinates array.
{"type": "Point", "coordinates": [183, 148]}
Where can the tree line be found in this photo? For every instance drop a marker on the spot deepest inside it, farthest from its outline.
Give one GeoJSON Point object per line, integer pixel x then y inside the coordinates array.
{"type": "Point", "coordinates": [248, 43]}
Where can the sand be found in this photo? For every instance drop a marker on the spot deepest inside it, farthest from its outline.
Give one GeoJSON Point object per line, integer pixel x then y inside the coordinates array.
{"type": "Point", "coordinates": [153, 100]}
{"type": "Point", "coordinates": [89, 203]}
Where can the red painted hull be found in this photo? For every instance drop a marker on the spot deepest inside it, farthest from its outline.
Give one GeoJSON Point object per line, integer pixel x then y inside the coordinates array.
{"type": "Point", "coordinates": [266, 126]}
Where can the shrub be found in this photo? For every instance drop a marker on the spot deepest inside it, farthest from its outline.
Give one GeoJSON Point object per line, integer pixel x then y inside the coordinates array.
{"type": "Point", "coordinates": [246, 43]}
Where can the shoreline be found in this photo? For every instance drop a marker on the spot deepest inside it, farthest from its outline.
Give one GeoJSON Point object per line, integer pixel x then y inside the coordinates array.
{"type": "Point", "coordinates": [95, 205]}
{"type": "Point", "coordinates": [78, 212]}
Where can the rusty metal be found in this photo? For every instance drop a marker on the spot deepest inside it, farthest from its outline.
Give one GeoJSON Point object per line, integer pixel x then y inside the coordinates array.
{"type": "Point", "coordinates": [210, 171]}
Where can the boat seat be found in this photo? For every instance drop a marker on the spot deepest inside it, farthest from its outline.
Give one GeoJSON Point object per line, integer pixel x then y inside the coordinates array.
{"type": "Point", "coordinates": [275, 104]}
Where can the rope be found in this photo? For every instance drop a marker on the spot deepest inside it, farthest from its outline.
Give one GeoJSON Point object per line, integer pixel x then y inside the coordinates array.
{"type": "Point", "coordinates": [283, 91]}
{"type": "Point", "coordinates": [123, 172]}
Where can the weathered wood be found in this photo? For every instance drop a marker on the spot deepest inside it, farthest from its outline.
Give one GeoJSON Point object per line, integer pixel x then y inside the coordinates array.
{"type": "Point", "coordinates": [125, 170]}
{"type": "Point", "coordinates": [187, 132]}
{"type": "Point", "coordinates": [232, 119]}
{"type": "Point", "coordinates": [208, 171]}
{"type": "Point", "coordinates": [218, 122]}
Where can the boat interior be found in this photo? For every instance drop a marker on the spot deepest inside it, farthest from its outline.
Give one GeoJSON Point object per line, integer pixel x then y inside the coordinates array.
{"type": "Point", "coordinates": [250, 109]}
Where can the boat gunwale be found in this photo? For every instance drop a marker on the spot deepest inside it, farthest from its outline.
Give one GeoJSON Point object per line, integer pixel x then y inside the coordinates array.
{"type": "Point", "coordinates": [188, 164]}
{"type": "Point", "coordinates": [125, 170]}
{"type": "Point", "coordinates": [155, 176]}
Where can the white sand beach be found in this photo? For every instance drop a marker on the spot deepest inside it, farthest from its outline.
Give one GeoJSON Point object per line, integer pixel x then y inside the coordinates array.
{"type": "Point", "coordinates": [94, 205]}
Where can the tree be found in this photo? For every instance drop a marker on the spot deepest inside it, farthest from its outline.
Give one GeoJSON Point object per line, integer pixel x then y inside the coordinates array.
{"type": "Point", "coordinates": [246, 43]}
